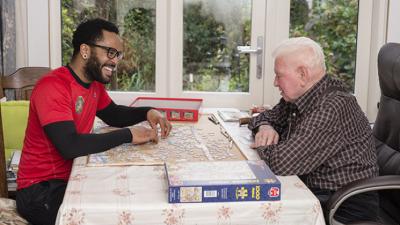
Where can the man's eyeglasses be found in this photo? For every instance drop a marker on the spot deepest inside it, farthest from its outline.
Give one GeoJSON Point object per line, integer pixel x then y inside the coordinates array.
{"type": "Point", "coordinates": [111, 52]}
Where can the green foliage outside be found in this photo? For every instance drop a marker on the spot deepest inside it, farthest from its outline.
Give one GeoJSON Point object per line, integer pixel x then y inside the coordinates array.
{"type": "Point", "coordinates": [209, 47]}
{"type": "Point", "coordinates": [210, 56]}
{"type": "Point", "coordinates": [136, 72]}
{"type": "Point", "coordinates": [201, 45]}
{"type": "Point", "coordinates": [69, 18]}
{"type": "Point", "coordinates": [138, 68]}
{"type": "Point", "coordinates": [333, 24]}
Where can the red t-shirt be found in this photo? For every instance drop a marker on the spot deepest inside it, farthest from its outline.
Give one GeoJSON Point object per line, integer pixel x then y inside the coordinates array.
{"type": "Point", "coordinates": [56, 97]}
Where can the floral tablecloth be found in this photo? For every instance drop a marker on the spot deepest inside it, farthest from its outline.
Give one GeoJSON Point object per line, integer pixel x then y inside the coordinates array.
{"type": "Point", "coordinates": [137, 195]}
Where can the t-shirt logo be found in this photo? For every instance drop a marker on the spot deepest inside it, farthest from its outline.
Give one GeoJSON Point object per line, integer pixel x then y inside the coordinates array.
{"type": "Point", "coordinates": [79, 105]}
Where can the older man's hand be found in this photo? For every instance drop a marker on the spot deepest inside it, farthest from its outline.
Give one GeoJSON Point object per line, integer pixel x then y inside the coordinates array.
{"type": "Point", "coordinates": [265, 136]}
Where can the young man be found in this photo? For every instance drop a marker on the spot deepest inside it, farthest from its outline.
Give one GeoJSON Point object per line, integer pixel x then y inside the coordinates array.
{"type": "Point", "coordinates": [317, 131]}
{"type": "Point", "coordinates": [63, 107]}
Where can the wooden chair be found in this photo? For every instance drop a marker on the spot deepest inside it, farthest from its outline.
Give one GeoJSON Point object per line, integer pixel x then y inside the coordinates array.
{"type": "Point", "coordinates": [21, 82]}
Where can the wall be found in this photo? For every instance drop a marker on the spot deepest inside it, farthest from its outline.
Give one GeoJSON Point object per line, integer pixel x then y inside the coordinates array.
{"type": "Point", "coordinates": [32, 33]}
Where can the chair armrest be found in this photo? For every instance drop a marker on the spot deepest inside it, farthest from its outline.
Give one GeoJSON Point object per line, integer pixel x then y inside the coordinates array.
{"type": "Point", "coordinates": [365, 223]}
{"type": "Point", "coordinates": [360, 186]}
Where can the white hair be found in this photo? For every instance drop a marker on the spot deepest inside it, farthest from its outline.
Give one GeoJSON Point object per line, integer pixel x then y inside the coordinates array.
{"type": "Point", "coordinates": [303, 45]}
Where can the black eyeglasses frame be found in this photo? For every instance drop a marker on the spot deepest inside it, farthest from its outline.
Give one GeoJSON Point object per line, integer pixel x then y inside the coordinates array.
{"type": "Point", "coordinates": [111, 52]}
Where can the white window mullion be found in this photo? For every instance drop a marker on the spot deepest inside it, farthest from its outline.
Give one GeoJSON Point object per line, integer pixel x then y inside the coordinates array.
{"type": "Point", "coordinates": [55, 33]}
{"type": "Point", "coordinates": [176, 48]}
{"type": "Point", "coordinates": [371, 36]}
{"type": "Point", "coordinates": [378, 38]}
{"type": "Point", "coordinates": [162, 58]}
{"type": "Point", "coordinates": [276, 30]}
{"type": "Point", "coordinates": [38, 33]}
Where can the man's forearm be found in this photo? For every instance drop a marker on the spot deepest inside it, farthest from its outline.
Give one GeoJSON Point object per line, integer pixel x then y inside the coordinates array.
{"type": "Point", "coordinates": [122, 116]}
{"type": "Point", "coordinates": [70, 144]}
{"type": "Point", "coordinates": [276, 117]}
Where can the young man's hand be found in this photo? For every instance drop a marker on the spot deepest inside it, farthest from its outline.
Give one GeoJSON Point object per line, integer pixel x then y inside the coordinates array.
{"type": "Point", "coordinates": [141, 135]}
{"type": "Point", "coordinates": [155, 117]}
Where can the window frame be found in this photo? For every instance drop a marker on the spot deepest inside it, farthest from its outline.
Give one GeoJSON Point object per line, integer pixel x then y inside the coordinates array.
{"type": "Point", "coordinates": [372, 25]}
{"type": "Point", "coordinates": [242, 100]}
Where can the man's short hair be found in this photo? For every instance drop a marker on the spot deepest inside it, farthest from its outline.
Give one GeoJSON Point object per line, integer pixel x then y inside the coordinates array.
{"type": "Point", "coordinates": [302, 44]}
{"type": "Point", "coordinates": [91, 31]}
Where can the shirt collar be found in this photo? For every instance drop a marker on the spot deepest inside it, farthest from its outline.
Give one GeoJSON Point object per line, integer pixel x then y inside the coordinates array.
{"type": "Point", "coordinates": [311, 96]}
{"type": "Point", "coordinates": [76, 77]}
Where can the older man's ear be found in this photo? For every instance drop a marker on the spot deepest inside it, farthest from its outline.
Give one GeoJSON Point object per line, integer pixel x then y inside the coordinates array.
{"type": "Point", "coordinates": [304, 75]}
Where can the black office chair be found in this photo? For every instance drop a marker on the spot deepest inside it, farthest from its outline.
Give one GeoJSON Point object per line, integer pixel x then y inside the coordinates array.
{"type": "Point", "coordinates": [387, 135]}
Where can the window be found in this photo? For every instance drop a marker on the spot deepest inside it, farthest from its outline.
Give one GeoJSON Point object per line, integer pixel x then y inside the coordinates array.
{"type": "Point", "coordinates": [136, 21]}
{"type": "Point", "coordinates": [230, 71]}
{"type": "Point", "coordinates": [333, 24]}
{"type": "Point", "coordinates": [204, 39]}
{"type": "Point", "coordinates": [362, 34]}
{"type": "Point", "coordinates": [212, 31]}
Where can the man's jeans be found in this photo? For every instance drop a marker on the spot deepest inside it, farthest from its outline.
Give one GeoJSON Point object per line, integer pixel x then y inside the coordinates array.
{"type": "Point", "coordinates": [360, 207]}
{"type": "Point", "coordinates": [39, 203]}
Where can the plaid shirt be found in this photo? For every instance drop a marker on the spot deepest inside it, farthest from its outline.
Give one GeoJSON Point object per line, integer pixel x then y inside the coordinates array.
{"type": "Point", "coordinates": [324, 137]}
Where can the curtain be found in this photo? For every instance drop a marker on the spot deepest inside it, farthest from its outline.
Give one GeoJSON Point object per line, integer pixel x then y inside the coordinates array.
{"type": "Point", "coordinates": [8, 37]}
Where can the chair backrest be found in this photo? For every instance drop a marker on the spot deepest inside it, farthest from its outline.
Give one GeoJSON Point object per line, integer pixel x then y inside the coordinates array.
{"type": "Point", "coordinates": [23, 80]}
{"type": "Point", "coordinates": [387, 124]}
{"type": "Point", "coordinates": [14, 118]}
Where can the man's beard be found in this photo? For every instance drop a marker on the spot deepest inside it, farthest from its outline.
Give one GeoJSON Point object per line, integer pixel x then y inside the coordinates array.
{"type": "Point", "coordinates": [93, 70]}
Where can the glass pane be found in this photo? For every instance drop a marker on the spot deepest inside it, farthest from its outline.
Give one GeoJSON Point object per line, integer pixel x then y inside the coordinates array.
{"type": "Point", "coordinates": [212, 29]}
{"type": "Point", "coordinates": [136, 21]}
{"type": "Point", "coordinates": [332, 23]}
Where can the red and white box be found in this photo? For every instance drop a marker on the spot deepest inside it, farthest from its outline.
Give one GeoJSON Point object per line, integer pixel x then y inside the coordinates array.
{"type": "Point", "coordinates": [174, 109]}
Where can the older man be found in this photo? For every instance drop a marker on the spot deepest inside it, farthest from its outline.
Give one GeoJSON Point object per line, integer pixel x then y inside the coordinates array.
{"type": "Point", "coordinates": [317, 131]}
